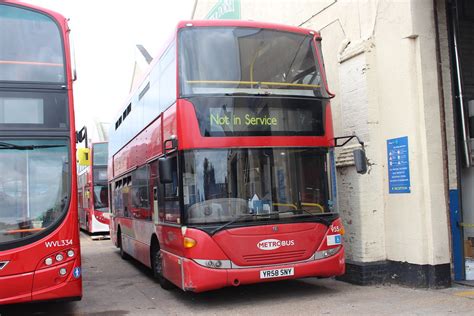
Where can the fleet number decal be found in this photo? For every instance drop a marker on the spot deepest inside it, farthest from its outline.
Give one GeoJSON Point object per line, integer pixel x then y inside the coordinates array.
{"type": "Point", "coordinates": [58, 243]}
{"type": "Point", "coordinates": [277, 273]}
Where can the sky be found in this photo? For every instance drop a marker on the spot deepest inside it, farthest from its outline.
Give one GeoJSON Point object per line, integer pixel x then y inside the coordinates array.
{"type": "Point", "coordinates": [105, 35]}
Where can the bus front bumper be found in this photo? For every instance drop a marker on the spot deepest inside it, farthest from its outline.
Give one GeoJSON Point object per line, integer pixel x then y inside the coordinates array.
{"type": "Point", "coordinates": [197, 278]}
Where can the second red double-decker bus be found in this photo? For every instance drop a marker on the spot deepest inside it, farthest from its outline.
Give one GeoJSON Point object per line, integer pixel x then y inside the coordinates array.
{"type": "Point", "coordinates": [221, 164]}
{"type": "Point", "coordinates": [92, 192]}
{"type": "Point", "coordinates": [39, 231]}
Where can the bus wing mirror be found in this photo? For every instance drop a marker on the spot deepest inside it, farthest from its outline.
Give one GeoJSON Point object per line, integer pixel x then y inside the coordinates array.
{"type": "Point", "coordinates": [165, 169]}
{"type": "Point", "coordinates": [360, 161]}
{"type": "Point", "coordinates": [82, 136]}
{"type": "Point", "coordinates": [83, 156]}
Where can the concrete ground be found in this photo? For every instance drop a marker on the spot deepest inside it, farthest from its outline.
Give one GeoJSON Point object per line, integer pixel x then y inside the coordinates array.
{"type": "Point", "coordinates": [113, 286]}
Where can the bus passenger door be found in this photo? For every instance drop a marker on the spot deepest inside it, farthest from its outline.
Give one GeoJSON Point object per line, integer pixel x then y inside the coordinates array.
{"type": "Point", "coordinates": [170, 226]}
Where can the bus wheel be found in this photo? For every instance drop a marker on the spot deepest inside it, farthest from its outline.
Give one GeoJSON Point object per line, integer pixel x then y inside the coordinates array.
{"type": "Point", "coordinates": [157, 267]}
{"type": "Point", "coordinates": [123, 254]}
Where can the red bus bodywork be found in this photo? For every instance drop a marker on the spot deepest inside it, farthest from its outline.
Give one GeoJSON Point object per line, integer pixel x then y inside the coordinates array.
{"type": "Point", "coordinates": [26, 276]}
{"type": "Point", "coordinates": [303, 247]}
{"type": "Point", "coordinates": [91, 219]}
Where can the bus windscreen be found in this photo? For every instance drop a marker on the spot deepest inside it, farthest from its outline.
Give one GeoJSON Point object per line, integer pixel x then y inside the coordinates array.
{"type": "Point", "coordinates": [31, 47]}
{"type": "Point", "coordinates": [251, 61]}
{"type": "Point", "coordinates": [100, 152]}
{"type": "Point", "coordinates": [223, 185]}
{"type": "Point", "coordinates": [34, 189]}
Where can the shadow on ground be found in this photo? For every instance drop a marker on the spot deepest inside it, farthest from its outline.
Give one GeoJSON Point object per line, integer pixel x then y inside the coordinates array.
{"type": "Point", "coordinates": [236, 296]}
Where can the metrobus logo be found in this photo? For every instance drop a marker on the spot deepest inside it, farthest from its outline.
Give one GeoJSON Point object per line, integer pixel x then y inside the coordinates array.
{"type": "Point", "coordinates": [272, 244]}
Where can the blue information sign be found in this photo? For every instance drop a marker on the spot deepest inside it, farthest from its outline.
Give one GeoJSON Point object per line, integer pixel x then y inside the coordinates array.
{"type": "Point", "coordinates": [398, 165]}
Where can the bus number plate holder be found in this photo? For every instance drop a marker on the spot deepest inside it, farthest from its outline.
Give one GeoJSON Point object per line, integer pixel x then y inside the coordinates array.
{"type": "Point", "coordinates": [277, 273]}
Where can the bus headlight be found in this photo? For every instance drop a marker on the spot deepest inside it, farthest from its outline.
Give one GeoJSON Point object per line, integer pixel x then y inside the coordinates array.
{"type": "Point", "coordinates": [214, 264]}
{"type": "Point", "coordinates": [326, 253]}
{"type": "Point", "coordinates": [59, 257]}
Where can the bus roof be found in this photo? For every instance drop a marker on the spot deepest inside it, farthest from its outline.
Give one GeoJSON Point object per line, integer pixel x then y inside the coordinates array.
{"type": "Point", "coordinates": [55, 15]}
{"type": "Point", "coordinates": [209, 23]}
{"type": "Point", "coordinates": [241, 23]}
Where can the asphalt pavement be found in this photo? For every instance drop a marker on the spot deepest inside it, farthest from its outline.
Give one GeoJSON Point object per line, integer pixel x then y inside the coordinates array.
{"type": "Point", "coordinates": [113, 286]}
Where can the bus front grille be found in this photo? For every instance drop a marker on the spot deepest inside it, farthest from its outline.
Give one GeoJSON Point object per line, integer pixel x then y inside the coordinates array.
{"type": "Point", "coordinates": [283, 256]}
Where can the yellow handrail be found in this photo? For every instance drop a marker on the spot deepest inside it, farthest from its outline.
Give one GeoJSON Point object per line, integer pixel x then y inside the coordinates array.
{"type": "Point", "coordinates": [303, 204]}
{"type": "Point", "coordinates": [268, 83]}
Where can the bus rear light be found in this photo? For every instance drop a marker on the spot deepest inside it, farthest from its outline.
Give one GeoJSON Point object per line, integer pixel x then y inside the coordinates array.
{"type": "Point", "coordinates": [48, 261]}
{"type": "Point", "coordinates": [59, 257]}
{"type": "Point", "coordinates": [70, 253]}
{"type": "Point", "coordinates": [189, 242]}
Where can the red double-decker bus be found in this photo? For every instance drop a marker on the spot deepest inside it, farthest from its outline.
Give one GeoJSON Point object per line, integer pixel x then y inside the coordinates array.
{"type": "Point", "coordinates": [92, 193]}
{"type": "Point", "coordinates": [39, 230]}
{"type": "Point", "coordinates": [221, 164]}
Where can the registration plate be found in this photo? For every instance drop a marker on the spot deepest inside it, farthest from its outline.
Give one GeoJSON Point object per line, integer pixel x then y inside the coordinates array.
{"type": "Point", "coordinates": [276, 273]}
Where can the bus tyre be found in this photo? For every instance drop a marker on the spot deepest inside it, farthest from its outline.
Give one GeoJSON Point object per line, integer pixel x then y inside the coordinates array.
{"type": "Point", "coordinates": [157, 266]}
{"type": "Point", "coordinates": [123, 254]}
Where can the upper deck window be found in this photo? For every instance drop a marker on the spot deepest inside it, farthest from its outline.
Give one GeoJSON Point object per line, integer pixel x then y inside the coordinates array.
{"type": "Point", "coordinates": [253, 61]}
{"type": "Point", "coordinates": [31, 47]}
{"type": "Point", "coordinates": [100, 153]}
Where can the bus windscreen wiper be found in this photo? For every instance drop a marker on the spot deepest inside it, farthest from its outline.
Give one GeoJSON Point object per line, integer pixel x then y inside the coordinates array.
{"type": "Point", "coordinates": [4, 145]}
{"type": "Point", "coordinates": [301, 210]}
{"type": "Point", "coordinates": [257, 215]}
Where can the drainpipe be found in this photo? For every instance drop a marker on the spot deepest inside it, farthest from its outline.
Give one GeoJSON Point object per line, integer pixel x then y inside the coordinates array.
{"type": "Point", "coordinates": [464, 126]}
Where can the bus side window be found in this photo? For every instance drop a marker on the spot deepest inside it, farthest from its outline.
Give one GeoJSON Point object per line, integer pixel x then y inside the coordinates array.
{"type": "Point", "coordinates": [79, 198]}
{"type": "Point", "coordinates": [118, 207]}
{"type": "Point", "coordinates": [171, 196]}
{"type": "Point", "coordinates": [140, 193]}
{"type": "Point", "coordinates": [126, 196]}
{"type": "Point", "coordinates": [111, 200]}
{"type": "Point", "coordinates": [154, 189]}
{"type": "Point", "coordinates": [86, 197]}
